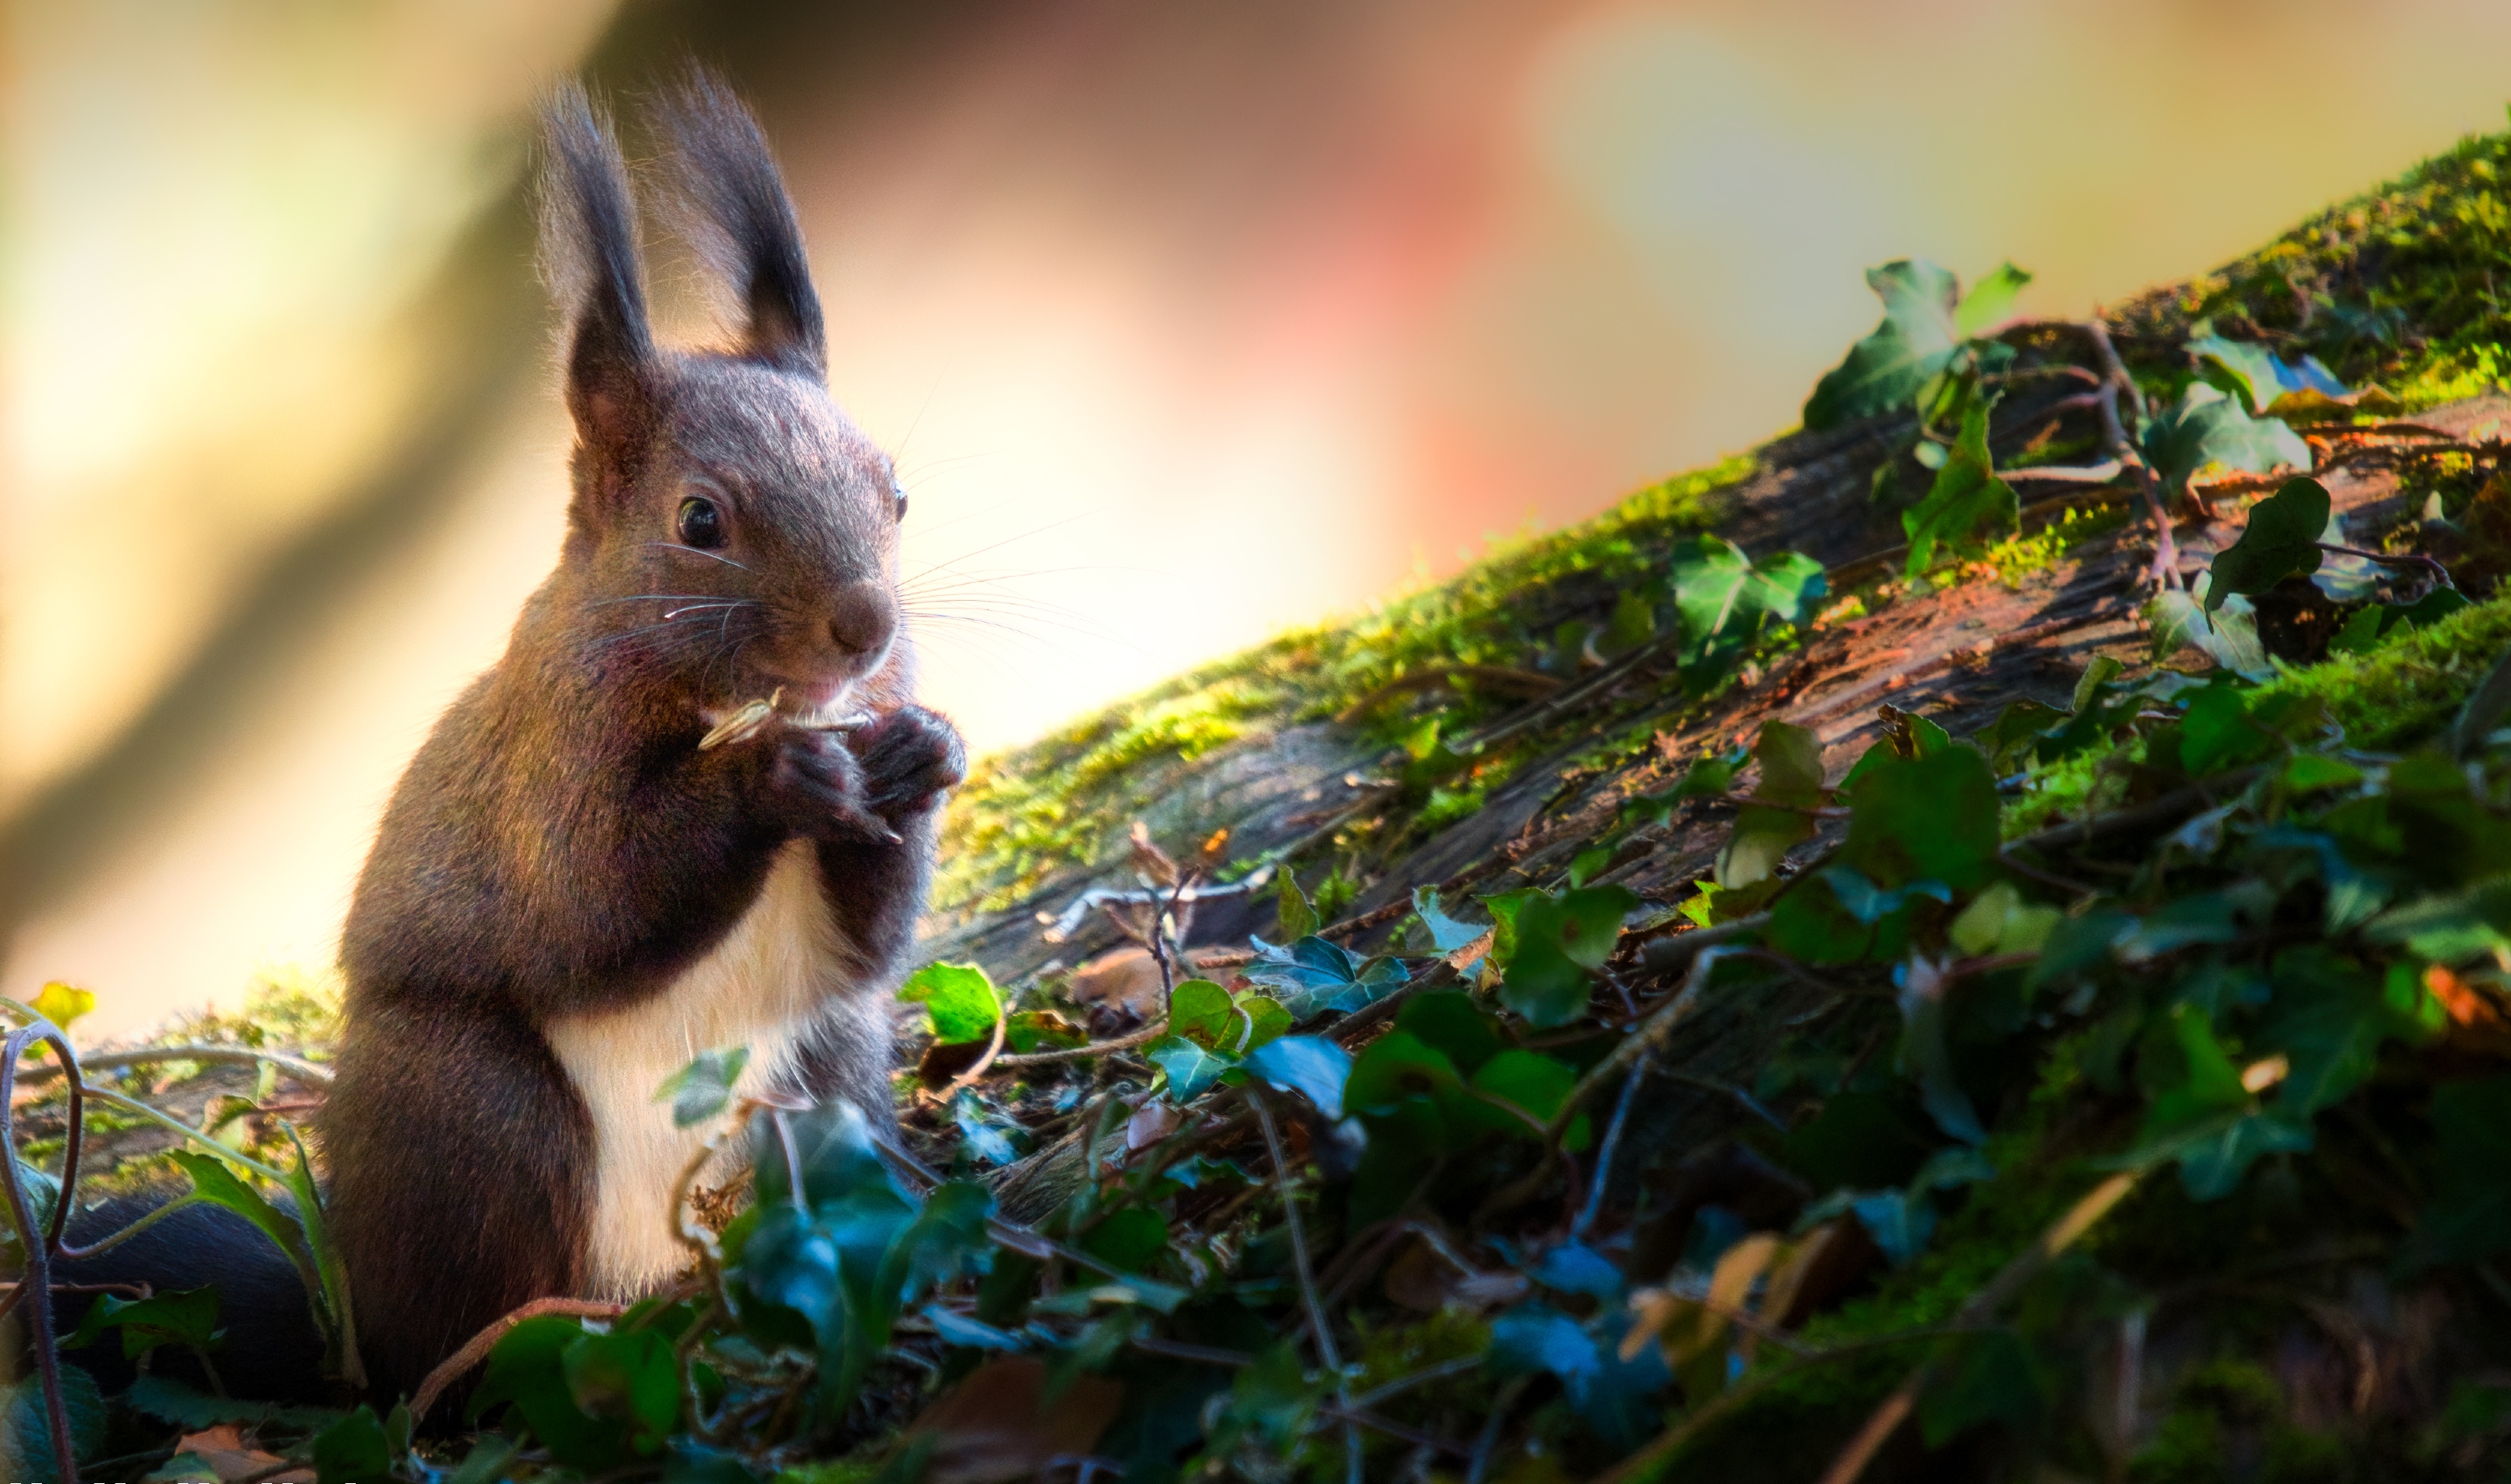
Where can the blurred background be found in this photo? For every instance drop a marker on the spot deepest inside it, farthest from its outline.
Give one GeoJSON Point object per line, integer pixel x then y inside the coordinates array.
{"type": "Point", "coordinates": [1187, 322]}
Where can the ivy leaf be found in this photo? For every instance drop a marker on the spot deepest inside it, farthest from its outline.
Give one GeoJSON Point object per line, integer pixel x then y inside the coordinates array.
{"type": "Point", "coordinates": [959, 1001]}
{"type": "Point", "coordinates": [2228, 636]}
{"type": "Point", "coordinates": [1990, 301]}
{"type": "Point", "coordinates": [1400, 1065]}
{"type": "Point", "coordinates": [1791, 758]}
{"type": "Point", "coordinates": [2329, 1018]}
{"type": "Point", "coordinates": [187, 1316]}
{"type": "Point", "coordinates": [1446, 934]}
{"type": "Point", "coordinates": [354, 1447]}
{"type": "Point", "coordinates": [1128, 1237]}
{"type": "Point", "coordinates": [2280, 541]}
{"type": "Point", "coordinates": [1966, 503]}
{"type": "Point", "coordinates": [1318, 974]}
{"type": "Point", "coordinates": [1450, 1021]}
{"type": "Point", "coordinates": [1297, 916]}
{"type": "Point", "coordinates": [700, 1090]}
{"type": "Point", "coordinates": [1311, 1066]}
{"type": "Point", "coordinates": [1200, 1011]}
{"type": "Point", "coordinates": [1607, 1392]}
{"type": "Point", "coordinates": [1190, 1068]}
{"type": "Point", "coordinates": [2208, 429]}
{"type": "Point", "coordinates": [1916, 339]}
{"type": "Point", "coordinates": [2260, 377]}
{"type": "Point", "coordinates": [1923, 819]}
{"type": "Point", "coordinates": [1560, 939]}
{"type": "Point", "coordinates": [1721, 593]}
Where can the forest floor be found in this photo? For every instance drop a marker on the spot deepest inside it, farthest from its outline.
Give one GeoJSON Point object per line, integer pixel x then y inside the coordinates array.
{"type": "Point", "coordinates": [1857, 963]}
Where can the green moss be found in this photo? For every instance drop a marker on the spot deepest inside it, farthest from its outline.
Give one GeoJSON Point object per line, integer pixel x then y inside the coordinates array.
{"type": "Point", "coordinates": [2408, 687]}
{"type": "Point", "coordinates": [1066, 797]}
{"type": "Point", "coordinates": [2019, 556]}
{"type": "Point", "coordinates": [2401, 286]}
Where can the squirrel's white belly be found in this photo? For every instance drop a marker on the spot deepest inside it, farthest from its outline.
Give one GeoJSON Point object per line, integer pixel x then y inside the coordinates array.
{"type": "Point", "coordinates": [762, 987]}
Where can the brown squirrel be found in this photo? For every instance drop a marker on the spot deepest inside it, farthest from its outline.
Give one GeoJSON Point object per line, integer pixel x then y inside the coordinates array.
{"type": "Point", "coordinates": [570, 897]}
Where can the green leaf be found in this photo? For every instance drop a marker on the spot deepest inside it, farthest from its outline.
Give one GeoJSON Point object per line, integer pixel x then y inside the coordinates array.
{"type": "Point", "coordinates": [1317, 974]}
{"type": "Point", "coordinates": [1295, 917]}
{"type": "Point", "coordinates": [2229, 636]}
{"type": "Point", "coordinates": [30, 1420]}
{"type": "Point", "coordinates": [186, 1316]}
{"type": "Point", "coordinates": [1128, 1237]}
{"type": "Point", "coordinates": [1633, 624]}
{"type": "Point", "coordinates": [1310, 1066]}
{"type": "Point", "coordinates": [353, 1450]}
{"type": "Point", "coordinates": [2000, 921]}
{"type": "Point", "coordinates": [1967, 505]}
{"type": "Point", "coordinates": [2208, 429]}
{"type": "Point", "coordinates": [1791, 758]}
{"type": "Point", "coordinates": [1200, 1011]}
{"type": "Point", "coordinates": [1915, 819]}
{"type": "Point", "coordinates": [2260, 376]}
{"type": "Point", "coordinates": [1262, 1020]}
{"type": "Point", "coordinates": [1446, 934]}
{"type": "Point", "coordinates": [1560, 939]}
{"type": "Point", "coordinates": [1400, 1065]}
{"type": "Point", "coordinates": [1916, 339]}
{"type": "Point", "coordinates": [630, 1378]}
{"type": "Point", "coordinates": [1190, 1068]}
{"type": "Point", "coordinates": [1990, 302]}
{"type": "Point", "coordinates": [959, 1001]}
{"type": "Point", "coordinates": [1524, 1079]}
{"type": "Point", "coordinates": [2330, 1017]}
{"type": "Point", "coordinates": [1720, 592]}
{"type": "Point", "coordinates": [703, 1088]}
{"type": "Point", "coordinates": [1450, 1021]}
{"type": "Point", "coordinates": [2280, 541]}
{"type": "Point", "coordinates": [213, 1182]}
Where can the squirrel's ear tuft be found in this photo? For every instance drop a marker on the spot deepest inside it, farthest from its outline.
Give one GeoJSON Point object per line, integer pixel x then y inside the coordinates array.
{"type": "Point", "coordinates": [589, 259]}
{"type": "Point", "coordinates": [730, 205]}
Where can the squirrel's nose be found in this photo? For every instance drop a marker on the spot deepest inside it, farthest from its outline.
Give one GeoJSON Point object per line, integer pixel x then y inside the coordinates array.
{"type": "Point", "coordinates": [864, 619]}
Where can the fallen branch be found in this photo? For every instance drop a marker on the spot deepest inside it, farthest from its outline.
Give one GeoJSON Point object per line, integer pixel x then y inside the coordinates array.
{"type": "Point", "coordinates": [1148, 1034]}
{"type": "Point", "coordinates": [1058, 928]}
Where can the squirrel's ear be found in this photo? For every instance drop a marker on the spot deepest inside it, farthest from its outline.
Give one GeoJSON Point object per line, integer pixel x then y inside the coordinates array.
{"type": "Point", "coordinates": [730, 205]}
{"type": "Point", "coordinates": [590, 260]}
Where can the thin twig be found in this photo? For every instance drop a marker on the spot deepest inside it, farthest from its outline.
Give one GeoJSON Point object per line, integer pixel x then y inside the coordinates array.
{"type": "Point", "coordinates": [2062, 474]}
{"type": "Point", "coordinates": [1327, 1355]}
{"type": "Point", "coordinates": [2115, 382]}
{"type": "Point", "coordinates": [40, 1247]}
{"type": "Point", "coordinates": [476, 1348]}
{"type": "Point", "coordinates": [1126, 1042]}
{"type": "Point", "coordinates": [2430, 567]}
{"type": "Point", "coordinates": [1612, 1142]}
{"type": "Point", "coordinates": [985, 1063]}
{"type": "Point", "coordinates": [303, 1070]}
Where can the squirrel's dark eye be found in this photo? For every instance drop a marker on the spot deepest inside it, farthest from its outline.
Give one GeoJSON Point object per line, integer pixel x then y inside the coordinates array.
{"type": "Point", "coordinates": [700, 524]}
{"type": "Point", "coordinates": [901, 495]}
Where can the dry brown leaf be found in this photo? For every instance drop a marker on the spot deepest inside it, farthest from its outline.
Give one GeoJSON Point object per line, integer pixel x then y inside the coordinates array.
{"type": "Point", "coordinates": [227, 1452]}
{"type": "Point", "coordinates": [1150, 1124]}
{"type": "Point", "coordinates": [1150, 860]}
{"type": "Point", "coordinates": [997, 1425]}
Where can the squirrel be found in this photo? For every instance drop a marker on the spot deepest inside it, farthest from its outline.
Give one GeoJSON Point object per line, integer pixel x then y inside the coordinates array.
{"type": "Point", "coordinates": [575, 890]}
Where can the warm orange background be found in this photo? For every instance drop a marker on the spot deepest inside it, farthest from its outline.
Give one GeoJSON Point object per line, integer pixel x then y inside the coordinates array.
{"type": "Point", "coordinates": [1191, 322]}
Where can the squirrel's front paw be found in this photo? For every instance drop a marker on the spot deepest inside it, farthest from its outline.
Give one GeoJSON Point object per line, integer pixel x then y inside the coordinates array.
{"type": "Point", "coordinates": [909, 757]}
{"type": "Point", "coordinates": [818, 786]}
